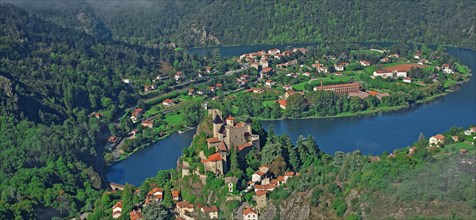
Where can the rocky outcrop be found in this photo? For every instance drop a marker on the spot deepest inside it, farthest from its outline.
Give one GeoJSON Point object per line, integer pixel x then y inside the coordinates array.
{"type": "Point", "coordinates": [296, 207]}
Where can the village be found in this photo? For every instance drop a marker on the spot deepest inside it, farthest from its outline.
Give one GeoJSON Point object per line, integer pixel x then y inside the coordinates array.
{"type": "Point", "coordinates": [278, 74]}
{"type": "Point", "coordinates": [267, 72]}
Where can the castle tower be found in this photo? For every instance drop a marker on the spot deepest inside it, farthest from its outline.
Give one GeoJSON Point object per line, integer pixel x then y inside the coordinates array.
{"type": "Point", "coordinates": [217, 123]}
{"type": "Point", "coordinates": [230, 121]}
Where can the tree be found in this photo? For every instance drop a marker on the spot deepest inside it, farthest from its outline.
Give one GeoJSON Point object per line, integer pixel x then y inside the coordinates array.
{"type": "Point", "coordinates": [192, 114]}
{"type": "Point", "coordinates": [278, 166]}
{"type": "Point", "coordinates": [296, 106]}
{"type": "Point", "coordinates": [156, 210]}
{"type": "Point", "coordinates": [270, 151]}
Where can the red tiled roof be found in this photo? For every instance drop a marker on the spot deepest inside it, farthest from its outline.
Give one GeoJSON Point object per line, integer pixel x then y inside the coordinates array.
{"type": "Point", "coordinates": [118, 204]}
{"type": "Point", "coordinates": [135, 215]}
{"type": "Point", "coordinates": [136, 112]}
{"type": "Point", "coordinates": [267, 69]}
{"type": "Point", "coordinates": [281, 178]}
{"type": "Point", "coordinates": [169, 101]}
{"type": "Point", "coordinates": [439, 137]}
{"type": "Point", "coordinates": [184, 204]}
{"type": "Point", "coordinates": [214, 157]}
{"type": "Point", "coordinates": [244, 146]}
{"type": "Point", "coordinates": [282, 102]}
{"type": "Point", "coordinates": [259, 173]}
{"type": "Point", "coordinates": [213, 140]}
{"type": "Point", "coordinates": [248, 211]}
{"type": "Point", "coordinates": [230, 118]}
{"type": "Point", "coordinates": [373, 93]}
{"type": "Point", "coordinates": [290, 173]}
{"type": "Point", "coordinates": [175, 193]}
{"type": "Point", "coordinates": [222, 146]}
{"type": "Point", "coordinates": [261, 192]}
{"type": "Point", "coordinates": [207, 209]}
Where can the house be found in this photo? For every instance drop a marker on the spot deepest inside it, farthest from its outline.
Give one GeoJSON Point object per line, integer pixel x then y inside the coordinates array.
{"type": "Point", "coordinates": [437, 140]}
{"type": "Point", "coordinates": [191, 92]}
{"type": "Point", "coordinates": [117, 210]}
{"type": "Point", "coordinates": [422, 61]}
{"type": "Point", "coordinates": [148, 124]}
{"type": "Point", "coordinates": [175, 195]}
{"type": "Point", "coordinates": [274, 51]}
{"type": "Point", "coordinates": [135, 215]}
{"type": "Point", "coordinates": [156, 194]}
{"type": "Point", "coordinates": [136, 114]}
{"type": "Point", "coordinates": [218, 85]}
{"type": "Point", "coordinates": [211, 211]}
{"type": "Point", "coordinates": [212, 89]}
{"type": "Point", "coordinates": [230, 182]}
{"type": "Point", "coordinates": [288, 93]}
{"type": "Point", "coordinates": [266, 72]}
{"type": "Point", "coordinates": [455, 138]}
{"type": "Point", "coordinates": [374, 159]}
{"type": "Point", "coordinates": [270, 83]}
{"type": "Point", "coordinates": [446, 68]}
{"type": "Point", "coordinates": [395, 55]}
{"type": "Point", "coordinates": [264, 168]}
{"type": "Point", "coordinates": [179, 75]}
{"type": "Point", "coordinates": [397, 71]}
{"type": "Point", "coordinates": [257, 176]}
{"type": "Point", "coordinates": [148, 88]}
{"type": "Point", "coordinates": [282, 103]}
{"type": "Point", "coordinates": [98, 115]}
{"type": "Point", "coordinates": [322, 69]}
{"type": "Point", "coordinates": [411, 150]}
{"type": "Point", "coordinates": [254, 65]}
{"type": "Point", "coordinates": [287, 87]}
{"type": "Point", "coordinates": [417, 55]}
{"type": "Point", "coordinates": [256, 90]}
{"type": "Point", "coordinates": [250, 214]}
{"type": "Point", "coordinates": [407, 79]}
{"type": "Point", "coordinates": [308, 74]}
{"type": "Point", "coordinates": [338, 73]}
{"type": "Point", "coordinates": [384, 60]}
{"type": "Point", "coordinates": [264, 63]}
{"type": "Point", "coordinates": [183, 208]}
{"type": "Point", "coordinates": [215, 163]}
{"type": "Point", "coordinates": [364, 63]}
{"type": "Point", "coordinates": [126, 81]}
{"type": "Point", "coordinates": [339, 67]}
{"type": "Point", "coordinates": [168, 102]}
{"type": "Point", "coordinates": [288, 175]}
{"type": "Point", "coordinates": [260, 197]}
{"type": "Point", "coordinates": [112, 139]}
{"type": "Point", "coordinates": [266, 181]}
{"type": "Point", "coordinates": [208, 69]}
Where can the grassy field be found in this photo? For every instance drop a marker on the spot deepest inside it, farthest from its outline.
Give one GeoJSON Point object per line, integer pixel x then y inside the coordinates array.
{"type": "Point", "coordinates": [345, 78]}
{"type": "Point", "coordinates": [175, 119]}
{"type": "Point", "coordinates": [269, 102]}
{"type": "Point", "coordinates": [460, 145]}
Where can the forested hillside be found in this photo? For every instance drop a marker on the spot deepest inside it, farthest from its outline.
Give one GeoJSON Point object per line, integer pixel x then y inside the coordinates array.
{"type": "Point", "coordinates": [198, 22]}
{"type": "Point", "coordinates": [51, 80]}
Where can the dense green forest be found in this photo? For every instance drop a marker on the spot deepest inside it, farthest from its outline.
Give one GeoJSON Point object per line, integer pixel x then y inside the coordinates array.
{"type": "Point", "coordinates": [199, 22]}
{"type": "Point", "coordinates": [51, 80]}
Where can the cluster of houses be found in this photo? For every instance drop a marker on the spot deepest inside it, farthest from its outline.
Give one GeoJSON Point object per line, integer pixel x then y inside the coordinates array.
{"type": "Point", "coordinates": [262, 182]}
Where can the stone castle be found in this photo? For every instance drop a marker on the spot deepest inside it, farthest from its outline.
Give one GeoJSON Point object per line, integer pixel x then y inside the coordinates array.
{"type": "Point", "coordinates": [228, 135]}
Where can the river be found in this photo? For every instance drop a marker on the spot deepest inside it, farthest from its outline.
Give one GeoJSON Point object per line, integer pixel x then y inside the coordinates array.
{"type": "Point", "coordinates": [369, 134]}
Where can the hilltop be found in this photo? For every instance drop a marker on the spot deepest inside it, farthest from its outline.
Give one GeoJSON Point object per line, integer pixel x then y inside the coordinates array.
{"type": "Point", "coordinates": [202, 23]}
